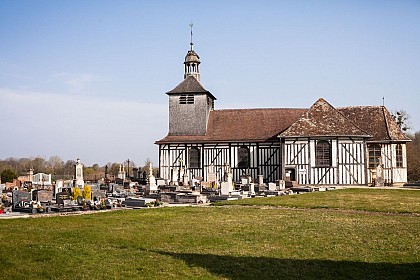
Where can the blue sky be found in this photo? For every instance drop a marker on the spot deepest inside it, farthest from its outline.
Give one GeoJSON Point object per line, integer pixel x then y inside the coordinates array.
{"type": "Point", "coordinates": [88, 79]}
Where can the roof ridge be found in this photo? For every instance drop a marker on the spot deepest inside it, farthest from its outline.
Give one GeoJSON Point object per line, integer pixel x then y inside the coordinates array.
{"type": "Point", "coordinates": [386, 122]}
{"type": "Point", "coordinates": [307, 124]}
{"type": "Point", "coordinates": [360, 106]}
{"type": "Point", "coordinates": [248, 109]}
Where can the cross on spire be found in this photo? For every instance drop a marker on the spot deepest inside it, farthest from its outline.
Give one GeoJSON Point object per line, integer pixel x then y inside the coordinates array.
{"type": "Point", "coordinates": [191, 41]}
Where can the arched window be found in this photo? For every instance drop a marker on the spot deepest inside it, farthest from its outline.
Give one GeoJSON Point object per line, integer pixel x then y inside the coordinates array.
{"type": "Point", "coordinates": [194, 157]}
{"type": "Point", "coordinates": [243, 157]}
{"type": "Point", "coordinates": [323, 153]}
{"type": "Point", "coordinates": [374, 155]}
{"type": "Point", "coordinates": [399, 155]}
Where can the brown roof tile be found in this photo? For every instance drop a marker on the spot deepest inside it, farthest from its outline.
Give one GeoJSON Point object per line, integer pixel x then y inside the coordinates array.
{"type": "Point", "coordinates": [243, 125]}
{"type": "Point", "coordinates": [376, 120]}
{"type": "Point", "coordinates": [322, 119]}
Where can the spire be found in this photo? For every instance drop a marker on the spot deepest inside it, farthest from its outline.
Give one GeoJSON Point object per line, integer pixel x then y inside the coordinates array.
{"type": "Point", "coordinates": [191, 41]}
{"type": "Point", "coordinates": [192, 60]}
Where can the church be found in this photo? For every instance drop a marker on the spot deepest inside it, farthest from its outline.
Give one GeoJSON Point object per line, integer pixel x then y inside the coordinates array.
{"type": "Point", "coordinates": [320, 145]}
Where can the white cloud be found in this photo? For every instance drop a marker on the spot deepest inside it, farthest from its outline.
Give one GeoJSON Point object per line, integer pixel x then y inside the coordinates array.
{"type": "Point", "coordinates": [95, 129]}
{"type": "Point", "coordinates": [78, 82]}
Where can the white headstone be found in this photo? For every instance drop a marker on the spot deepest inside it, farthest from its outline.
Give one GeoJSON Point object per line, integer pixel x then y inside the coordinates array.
{"type": "Point", "coordinates": [225, 188]}
{"type": "Point", "coordinates": [78, 176]}
{"type": "Point", "coordinates": [260, 180]}
{"type": "Point", "coordinates": [271, 186]}
{"type": "Point", "coordinates": [251, 188]}
{"type": "Point", "coordinates": [211, 177]}
{"type": "Point", "coordinates": [282, 185]}
{"type": "Point", "coordinates": [121, 173]}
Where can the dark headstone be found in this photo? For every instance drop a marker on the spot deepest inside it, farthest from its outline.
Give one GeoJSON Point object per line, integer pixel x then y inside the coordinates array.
{"type": "Point", "coordinates": [135, 202]}
{"type": "Point", "coordinates": [19, 198]}
{"type": "Point", "coordinates": [35, 195]}
{"type": "Point", "coordinates": [79, 200]}
{"type": "Point", "coordinates": [66, 190]}
{"type": "Point", "coordinates": [61, 196]}
{"type": "Point", "coordinates": [108, 204]}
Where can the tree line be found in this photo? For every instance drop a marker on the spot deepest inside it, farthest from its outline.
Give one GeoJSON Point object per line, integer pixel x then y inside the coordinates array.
{"type": "Point", "coordinates": [11, 168]}
{"type": "Point", "coordinates": [413, 158]}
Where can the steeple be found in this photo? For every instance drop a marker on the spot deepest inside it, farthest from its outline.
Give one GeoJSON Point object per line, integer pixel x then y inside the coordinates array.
{"type": "Point", "coordinates": [192, 60]}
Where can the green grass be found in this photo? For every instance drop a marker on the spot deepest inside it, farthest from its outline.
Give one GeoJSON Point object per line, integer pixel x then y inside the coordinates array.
{"type": "Point", "coordinates": [377, 200]}
{"type": "Point", "coordinates": [217, 243]}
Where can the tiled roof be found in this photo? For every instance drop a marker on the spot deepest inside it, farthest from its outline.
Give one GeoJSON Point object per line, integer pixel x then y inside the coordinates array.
{"type": "Point", "coordinates": [189, 85]}
{"type": "Point", "coordinates": [376, 120]}
{"type": "Point", "coordinates": [243, 125]}
{"type": "Point", "coordinates": [322, 119]}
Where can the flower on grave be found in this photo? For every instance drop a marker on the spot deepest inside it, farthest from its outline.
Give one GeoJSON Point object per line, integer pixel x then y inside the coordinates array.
{"type": "Point", "coordinates": [76, 193]}
{"type": "Point", "coordinates": [87, 192]}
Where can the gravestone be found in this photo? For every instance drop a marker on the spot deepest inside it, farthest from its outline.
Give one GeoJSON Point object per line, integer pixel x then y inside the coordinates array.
{"type": "Point", "coordinates": [225, 188]}
{"type": "Point", "coordinates": [282, 185]}
{"type": "Point", "coordinates": [211, 177]}
{"type": "Point", "coordinates": [61, 197]}
{"type": "Point", "coordinates": [137, 202]}
{"type": "Point", "coordinates": [66, 190]}
{"type": "Point", "coordinates": [34, 195]}
{"type": "Point", "coordinates": [160, 182]}
{"type": "Point", "coordinates": [260, 180]}
{"type": "Point", "coordinates": [379, 182]}
{"type": "Point", "coordinates": [98, 194]}
{"type": "Point", "coordinates": [19, 198]}
{"type": "Point", "coordinates": [44, 196]}
{"type": "Point", "coordinates": [251, 188]}
{"type": "Point", "coordinates": [271, 187]}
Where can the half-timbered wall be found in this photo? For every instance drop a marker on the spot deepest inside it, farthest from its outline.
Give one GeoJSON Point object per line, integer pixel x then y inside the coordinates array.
{"type": "Point", "coordinates": [264, 158]}
{"type": "Point", "coordinates": [392, 174]}
{"type": "Point", "coordinates": [349, 161]}
{"type": "Point", "coordinates": [346, 163]}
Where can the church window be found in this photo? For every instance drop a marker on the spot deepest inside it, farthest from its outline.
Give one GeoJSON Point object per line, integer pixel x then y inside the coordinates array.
{"type": "Point", "coordinates": [323, 153]}
{"type": "Point", "coordinates": [194, 157]}
{"type": "Point", "coordinates": [374, 155]}
{"type": "Point", "coordinates": [399, 155]}
{"type": "Point", "coordinates": [243, 157]}
{"type": "Point", "coordinates": [186, 99]}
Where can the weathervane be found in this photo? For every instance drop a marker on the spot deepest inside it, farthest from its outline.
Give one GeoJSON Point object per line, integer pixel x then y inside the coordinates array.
{"type": "Point", "coordinates": [191, 42]}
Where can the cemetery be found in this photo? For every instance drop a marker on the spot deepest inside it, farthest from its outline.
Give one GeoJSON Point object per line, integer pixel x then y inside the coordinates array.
{"type": "Point", "coordinates": [140, 191]}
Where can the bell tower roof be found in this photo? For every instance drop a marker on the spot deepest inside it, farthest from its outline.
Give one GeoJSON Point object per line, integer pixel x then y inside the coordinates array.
{"type": "Point", "coordinates": [192, 61]}
{"type": "Point", "coordinates": [190, 85]}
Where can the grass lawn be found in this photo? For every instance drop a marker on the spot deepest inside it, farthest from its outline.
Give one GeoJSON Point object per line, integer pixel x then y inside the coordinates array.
{"type": "Point", "coordinates": [375, 200]}
{"type": "Point", "coordinates": [251, 242]}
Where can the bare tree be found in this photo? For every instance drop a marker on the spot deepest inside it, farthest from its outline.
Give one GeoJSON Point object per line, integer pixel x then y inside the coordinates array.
{"type": "Point", "coordinates": [403, 119]}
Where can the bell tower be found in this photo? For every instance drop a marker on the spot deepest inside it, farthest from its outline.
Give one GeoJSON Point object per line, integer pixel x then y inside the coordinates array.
{"type": "Point", "coordinates": [189, 102]}
{"type": "Point", "coordinates": [192, 61]}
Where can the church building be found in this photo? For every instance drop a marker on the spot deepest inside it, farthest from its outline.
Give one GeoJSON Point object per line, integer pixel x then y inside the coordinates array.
{"type": "Point", "coordinates": [320, 145]}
